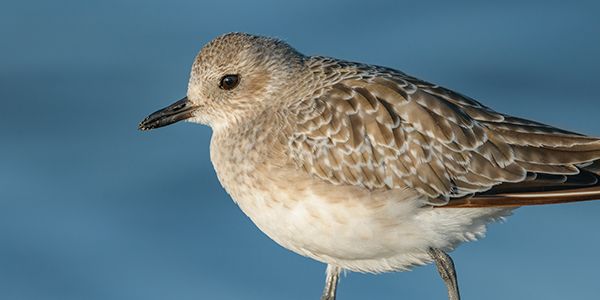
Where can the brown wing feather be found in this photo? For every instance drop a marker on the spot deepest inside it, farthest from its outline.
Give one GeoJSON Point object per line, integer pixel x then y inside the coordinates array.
{"type": "Point", "coordinates": [381, 129]}
{"type": "Point", "coordinates": [536, 192]}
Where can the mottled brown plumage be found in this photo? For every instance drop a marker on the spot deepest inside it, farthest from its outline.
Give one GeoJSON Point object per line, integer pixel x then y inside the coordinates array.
{"type": "Point", "coordinates": [379, 128]}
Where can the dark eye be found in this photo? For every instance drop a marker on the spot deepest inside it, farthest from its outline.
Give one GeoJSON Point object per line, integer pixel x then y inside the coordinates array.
{"type": "Point", "coordinates": [229, 82]}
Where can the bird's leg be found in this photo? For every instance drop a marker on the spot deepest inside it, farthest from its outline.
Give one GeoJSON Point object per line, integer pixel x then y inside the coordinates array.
{"type": "Point", "coordinates": [331, 281]}
{"type": "Point", "coordinates": [445, 267]}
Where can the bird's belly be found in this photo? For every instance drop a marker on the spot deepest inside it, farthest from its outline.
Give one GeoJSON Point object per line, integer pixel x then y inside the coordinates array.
{"type": "Point", "coordinates": [371, 234]}
{"type": "Point", "coordinates": [314, 226]}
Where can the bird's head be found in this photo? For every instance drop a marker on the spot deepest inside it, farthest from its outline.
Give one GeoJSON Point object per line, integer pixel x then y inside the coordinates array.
{"type": "Point", "coordinates": [233, 78]}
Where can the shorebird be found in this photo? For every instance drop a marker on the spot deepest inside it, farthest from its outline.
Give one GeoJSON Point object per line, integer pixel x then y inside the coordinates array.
{"type": "Point", "coordinates": [366, 168]}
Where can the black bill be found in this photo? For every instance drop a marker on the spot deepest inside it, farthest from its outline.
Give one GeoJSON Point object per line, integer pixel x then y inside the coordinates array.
{"type": "Point", "coordinates": [180, 110]}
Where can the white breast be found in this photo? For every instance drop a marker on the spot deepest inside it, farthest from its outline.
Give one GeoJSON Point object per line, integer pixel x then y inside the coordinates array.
{"type": "Point", "coordinates": [347, 226]}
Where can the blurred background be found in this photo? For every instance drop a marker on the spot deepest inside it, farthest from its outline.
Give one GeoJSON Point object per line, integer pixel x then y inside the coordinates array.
{"type": "Point", "coordinates": [91, 208]}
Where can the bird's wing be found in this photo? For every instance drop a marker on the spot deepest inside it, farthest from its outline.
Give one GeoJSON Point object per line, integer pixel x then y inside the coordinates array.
{"type": "Point", "coordinates": [381, 129]}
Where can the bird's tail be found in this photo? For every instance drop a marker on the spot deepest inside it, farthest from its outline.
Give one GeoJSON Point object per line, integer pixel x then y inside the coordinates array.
{"type": "Point", "coordinates": [539, 190]}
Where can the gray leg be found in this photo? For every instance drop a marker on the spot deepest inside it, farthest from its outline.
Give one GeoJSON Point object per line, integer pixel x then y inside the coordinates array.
{"type": "Point", "coordinates": [333, 276]}
{"type": "Point", "coordinates": [445, 267]}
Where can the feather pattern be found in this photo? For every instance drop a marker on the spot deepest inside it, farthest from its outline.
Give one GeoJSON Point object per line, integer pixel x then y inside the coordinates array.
{"type": "Point", "coordinates": [379, 128]}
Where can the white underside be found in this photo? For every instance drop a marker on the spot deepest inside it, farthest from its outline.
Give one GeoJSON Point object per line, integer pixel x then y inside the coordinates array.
{"type": "Point", "coordinates": [357, 236]}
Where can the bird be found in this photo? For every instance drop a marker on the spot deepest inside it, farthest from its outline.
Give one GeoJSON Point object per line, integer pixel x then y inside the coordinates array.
{"type": "Point", "coordinates": [366, 168]}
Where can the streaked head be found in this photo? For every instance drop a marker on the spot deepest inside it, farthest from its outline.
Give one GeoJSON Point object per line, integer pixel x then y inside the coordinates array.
{"type": "Point", "coordinates": [233, 77]}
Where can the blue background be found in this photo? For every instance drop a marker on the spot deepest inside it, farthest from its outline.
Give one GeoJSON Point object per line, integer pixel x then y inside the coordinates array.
{"type": "Point", "coordinates": [91, 208]}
